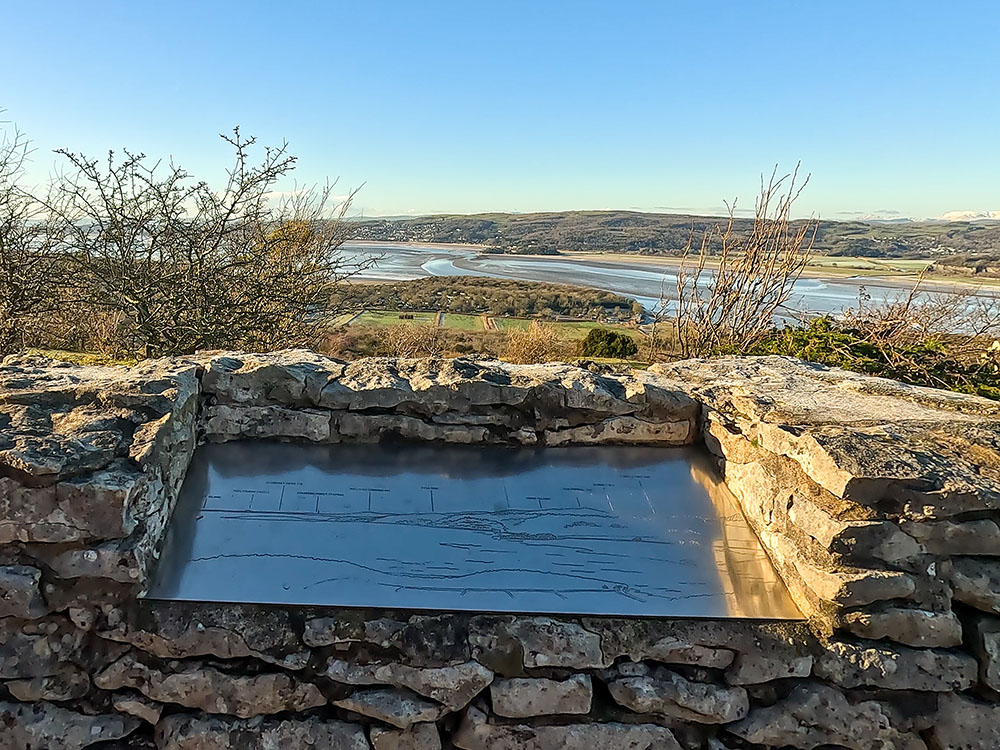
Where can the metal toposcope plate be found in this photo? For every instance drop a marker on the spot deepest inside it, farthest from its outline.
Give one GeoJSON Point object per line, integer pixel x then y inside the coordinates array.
{"type": "Point", "coordinates": [606, 530]}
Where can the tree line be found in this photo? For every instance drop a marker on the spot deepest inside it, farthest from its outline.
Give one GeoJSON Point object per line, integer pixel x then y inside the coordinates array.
{"type": "Point", "coordinates": [477, 295]}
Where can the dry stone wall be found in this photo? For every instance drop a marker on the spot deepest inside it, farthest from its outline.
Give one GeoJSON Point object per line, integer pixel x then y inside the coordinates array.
{"type": "Point", "coordinates": [878, 502]}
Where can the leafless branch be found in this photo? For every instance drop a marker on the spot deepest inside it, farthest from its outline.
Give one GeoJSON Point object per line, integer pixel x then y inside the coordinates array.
{"type": "Point", "coordinates": [730, 291]}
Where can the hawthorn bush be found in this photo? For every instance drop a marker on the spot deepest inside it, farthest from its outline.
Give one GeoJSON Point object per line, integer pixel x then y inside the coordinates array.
{"type": "Point", "coordinates": [604, 342]}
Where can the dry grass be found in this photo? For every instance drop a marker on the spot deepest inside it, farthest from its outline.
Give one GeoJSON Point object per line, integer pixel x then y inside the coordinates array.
{"type": "Point", "coordinates": [413, 341]}
{"type": "Point", "coordinates": [536, 343]}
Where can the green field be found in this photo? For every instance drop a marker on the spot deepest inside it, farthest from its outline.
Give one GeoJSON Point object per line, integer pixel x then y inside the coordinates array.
{"type": "Point", "coordinates": [391, 318]}
{"type": "Point", "coordinates": [573, 330]}
{"type": "Point", "coordinates": [463, 322]}
{"type": "Point", "coordinates": [505, 324]}
{"type": "Point", "coordinates": [867, 266]}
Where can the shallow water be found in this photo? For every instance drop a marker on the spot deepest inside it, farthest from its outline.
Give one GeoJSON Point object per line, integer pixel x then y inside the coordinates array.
{"type": "Point", "coordinates": [646, 283]}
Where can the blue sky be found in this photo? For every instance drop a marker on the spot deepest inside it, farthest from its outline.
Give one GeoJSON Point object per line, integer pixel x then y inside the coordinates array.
{"type": "Point", "coordinates": [523, 106]}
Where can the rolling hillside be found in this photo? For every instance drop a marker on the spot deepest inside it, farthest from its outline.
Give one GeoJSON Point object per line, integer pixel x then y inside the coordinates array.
{"type": "Point", "coordinates": [669, 234]}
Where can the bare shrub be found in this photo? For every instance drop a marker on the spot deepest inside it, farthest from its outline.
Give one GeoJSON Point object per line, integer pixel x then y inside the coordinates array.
{"type": "Point", "coordinates": [28, 265]}
{"type": "Point", "coordinates": [739, 281]}
{"type": "Point", "coordinates": [966, 319]}
{"type": "Point", "coordinates": [189, 267]}
{"type": "Point", "coordinates": [536, 343]}
{"type": "Point", "coordinates": [942, 337]}
{"type": "Point", "coordinates": [100, 331]}
{"type": "Point", "coordinates": [412, 340]}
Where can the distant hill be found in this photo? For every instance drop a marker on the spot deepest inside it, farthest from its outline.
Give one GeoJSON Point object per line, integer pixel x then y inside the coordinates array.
{"type": "Point", "coordinates": [669, 234]}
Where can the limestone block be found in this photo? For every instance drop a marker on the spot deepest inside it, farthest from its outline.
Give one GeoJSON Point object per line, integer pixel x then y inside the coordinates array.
{"type": "Point", "coordinates": [103, 504]}
{"type": "Point", "coordinates": [293, 377]}
{"type": "Point", "coordinates": [856, 587]}
{"type": "Point", "coordinates": [454, 686]}
{"type": "Point", "coordinates": [201, 732]}
{"type": "Point", "coordinates": [523, 697]}
{"type": "Point", "coordinates": [373, 427]}
{"type": "Point", "coordinates": [164, 446]}
{"type": "Point", "coordinates": [524, 436]}
{"type": "Point", "coordinates": [810, 584]}
{"type": "Point", "coordinates": [964, 723]}
{"type": "Point", "coordinates": [724, 438]}
{"type": "Point", "coordinates": [750, 652]}
{"type": "Point", "coordinates": [627, 430]}
{"type": "Point", "coordinates": [350, 673]}
{"type": "Point", "coordinates": [45, 726]}
{"type": "Point", "coordinates": [911, 627]}
{"type": "Point", "coordinates": [755, 667]}
{"type": "Point", "coordinates": [59, 421]}
{"type": "Point", "coordinates": [976, 582]}
{"type": "Point", "coordinates": [857, 541]}
{"type": "Point", "coordinates": [477, 733]}
{"type": "Point", "coordinates": [19, 594]}
{"type": "Point", "coordinates": [947, 538]}
{"type": "Point", "coordinates": [668, 694]}
{"type": "Point", "coordinates": [986, 646]}
{"type": "Point", "coordinates": [369, 384]}
{"type": "Point", "coordinates": [417, 737]}
{"type": "Point", "coordinates": [137, 705]}
{"type": "Point", "coordinates": [175, 630]}
{"type": "Point", "coordinates": [536, 642]}
{"type": "Point", "coordinates": [400, 708]}
{"type": "Point", "coordinates": [817, 715]}
{"type": "Point", "coordinates": [857, 435]}
{"type": "Point", "coordinates": [37, 648]}
{"type": "Point", "coordinates": [45, 442]}
{"type": "Point", "coordinates": [224, 422]}
{"type": "Point", "coordinates": [419, 640]}
{"type": "Point", "coordinates": [661, 398]}
{"type": "Point", "coordinates": [96, 506]}
{"type": "Point", "coordinates": [121, 560]}
{"type": "Point", "coordinates": [194, 685]}
{"type": "Point", "coordinates": [68, 683]}
{"type": "Point", "coordinates": [874, 664]}
{"type": "Point", "coordinates": [674, 650]}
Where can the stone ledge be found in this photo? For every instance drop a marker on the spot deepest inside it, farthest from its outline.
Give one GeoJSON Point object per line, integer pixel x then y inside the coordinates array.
{"type": "Point", "coordinates": [857, 436]}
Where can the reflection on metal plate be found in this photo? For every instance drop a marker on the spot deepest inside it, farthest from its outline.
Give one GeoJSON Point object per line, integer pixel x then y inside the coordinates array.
{"type": "Point", "coordinates": [573, 530]}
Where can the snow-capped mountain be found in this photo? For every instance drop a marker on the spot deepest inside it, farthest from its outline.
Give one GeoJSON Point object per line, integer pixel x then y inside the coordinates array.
{"type": "Point", "coordinates": [895, 217]}
{"type": "Point", "coordinates": [970, 216]}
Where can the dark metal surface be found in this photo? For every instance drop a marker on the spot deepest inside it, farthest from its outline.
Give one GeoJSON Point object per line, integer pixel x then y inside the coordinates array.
{"type": "Point", "coordinates": [574, 530]}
